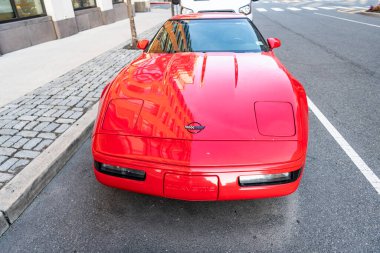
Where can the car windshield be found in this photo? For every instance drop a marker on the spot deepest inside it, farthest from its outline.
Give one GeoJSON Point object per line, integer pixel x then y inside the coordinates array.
{"type": "Point", "coordinates": [208, 35]}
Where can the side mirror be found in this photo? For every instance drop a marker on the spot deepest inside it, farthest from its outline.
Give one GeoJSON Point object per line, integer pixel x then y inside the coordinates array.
{"type": "Point", "coordinates": [142, 44]}
{"type": "Point", "coordinates": [176, 2]}
{"type": "Point", "coordinates": [274, 43]}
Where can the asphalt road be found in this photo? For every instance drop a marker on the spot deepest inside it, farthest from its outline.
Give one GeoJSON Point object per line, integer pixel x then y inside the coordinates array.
{"type": "Point", "coordinates": [335, 208]}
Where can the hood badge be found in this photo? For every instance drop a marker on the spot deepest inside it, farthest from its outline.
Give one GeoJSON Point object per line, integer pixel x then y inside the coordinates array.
{"type": "Point", "coordinates": [194, 127]}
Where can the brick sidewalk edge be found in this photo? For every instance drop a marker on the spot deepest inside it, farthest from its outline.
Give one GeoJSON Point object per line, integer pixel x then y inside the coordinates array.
{"type": "Point", "coordinates": [19, 193]}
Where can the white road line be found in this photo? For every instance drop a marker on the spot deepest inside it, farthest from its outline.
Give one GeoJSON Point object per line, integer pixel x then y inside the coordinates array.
{"type": "Point", "coordinates": [327, 8]}
{"type": "Point", "coordinates": [349, 20]}
{"type": "Point", "coordinates": [356, 159]}
{"type": "Point", "coordinates": [261, 9]}
{"type": "Point", "coordinates": [277, 9]}
{"type": "Point", "coordinates": [293, 9]}
{"type": "Point", "coordinates": [310, 8]}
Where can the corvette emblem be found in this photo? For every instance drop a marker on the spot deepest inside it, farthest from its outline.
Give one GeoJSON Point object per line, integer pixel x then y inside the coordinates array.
{"type": "Point", "coordinates": [194, 127]}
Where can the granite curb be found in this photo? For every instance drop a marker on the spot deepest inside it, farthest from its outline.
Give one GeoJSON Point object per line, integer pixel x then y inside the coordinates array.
{"type": "Point", "coordinates": [4, 225]}
{"type": "Point", "coordinates": [17, 195]}
{"type": "Point", "coordinates": [31, 123]}
{"type": "Point", "coordinates": [78, 90]}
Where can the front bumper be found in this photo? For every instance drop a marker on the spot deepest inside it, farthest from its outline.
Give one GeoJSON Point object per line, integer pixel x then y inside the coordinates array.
{"type": "Point", "coordinates": [198, 184]}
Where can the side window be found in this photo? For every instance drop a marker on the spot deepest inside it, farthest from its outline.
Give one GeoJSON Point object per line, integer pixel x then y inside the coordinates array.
{"type": "Point", "coordinates": [169, 47]}
{"type": "Point", "coordinates": [163, 39]}
{"type": "Point", "coordinates": [166, 40]}
{"type": "Point", "coordinates": [159, 42]}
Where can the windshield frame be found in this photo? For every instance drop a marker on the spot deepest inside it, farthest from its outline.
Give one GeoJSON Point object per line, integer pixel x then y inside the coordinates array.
{"type": "Point", "coordinates": [265, 45]}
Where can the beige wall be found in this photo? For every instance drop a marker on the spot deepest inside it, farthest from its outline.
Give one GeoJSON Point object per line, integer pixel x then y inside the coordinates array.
{"type": "Point", "coordinates": [61, 21]}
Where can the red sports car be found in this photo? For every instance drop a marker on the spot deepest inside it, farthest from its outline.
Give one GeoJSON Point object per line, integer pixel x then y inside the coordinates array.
{"type": "Point", "coordinates": [206, 112]}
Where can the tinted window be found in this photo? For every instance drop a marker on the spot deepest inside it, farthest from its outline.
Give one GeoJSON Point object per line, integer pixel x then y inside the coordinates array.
{"type": "Point", "coordinates": [17, 9]}
{"type": "Point", "coordinates": [6, 10]}
{"type": "Point", "coordinates": [208, 35]}
{"type": "Point", "coordinates": [29, 8]}
{"type": "Point", "coordinates": [81, 4]}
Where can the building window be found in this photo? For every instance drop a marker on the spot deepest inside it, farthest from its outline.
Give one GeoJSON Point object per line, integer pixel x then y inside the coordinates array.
{"type": "Point", "coordinates": [83, 4]}
{"type": "Point", "coordinates": [117, 1]}
{"type": "Point", "coordinates": [18, 9]}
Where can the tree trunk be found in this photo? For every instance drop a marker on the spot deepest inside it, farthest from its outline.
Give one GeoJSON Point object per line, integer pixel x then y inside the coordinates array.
{"type": "Point", "coordinates": [132, 24]}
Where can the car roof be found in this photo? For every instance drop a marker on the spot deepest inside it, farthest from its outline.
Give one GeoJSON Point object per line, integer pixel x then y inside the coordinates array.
{"type": "Point", "coordinates": [209, 15]}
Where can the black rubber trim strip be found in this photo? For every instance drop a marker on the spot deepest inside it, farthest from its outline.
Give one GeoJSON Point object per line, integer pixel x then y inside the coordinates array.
{"type": "Point", "coordinates": [133, 174]}
{"type": "Point", "coordinates": [293, 177]}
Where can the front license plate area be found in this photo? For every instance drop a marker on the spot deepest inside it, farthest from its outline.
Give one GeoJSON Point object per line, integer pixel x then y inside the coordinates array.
{"type": "Point", "coordinates": [196, 188]}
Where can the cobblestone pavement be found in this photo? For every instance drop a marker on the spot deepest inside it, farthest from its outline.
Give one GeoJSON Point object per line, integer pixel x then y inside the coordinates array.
{"type": "Point", "coordinates": [31, 123]}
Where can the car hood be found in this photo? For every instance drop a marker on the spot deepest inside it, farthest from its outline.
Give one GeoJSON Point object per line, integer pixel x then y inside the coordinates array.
{"type": "Point", "coordinates": [214, 5]}
{"type": "Point", "coordinates": [215, 90]}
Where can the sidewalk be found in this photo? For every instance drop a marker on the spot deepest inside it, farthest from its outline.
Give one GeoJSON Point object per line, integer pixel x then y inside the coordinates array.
{"type": "Point", "coordinates": [27, 69]}
{"type": "Point", "coordinates": [48, 122]}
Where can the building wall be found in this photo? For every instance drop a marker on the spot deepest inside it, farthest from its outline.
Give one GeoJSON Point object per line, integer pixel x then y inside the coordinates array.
{"type": "Point", "coordinates": [25, 33]}
{"type": "Point", "coordinates": [108, 14]}
{"type": "Point", "coordinates": [59, 9]}
{"type": "Point", "coordinates": [141, 5]}
{"type": "Point", "coordinates": [61, 21]}
{"type": "Point", "coordinates": [88, 18]}
{"type": "Point", "coordinates": [121, 11]}
{"type": "Point", "coordinates": [63, 17]}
